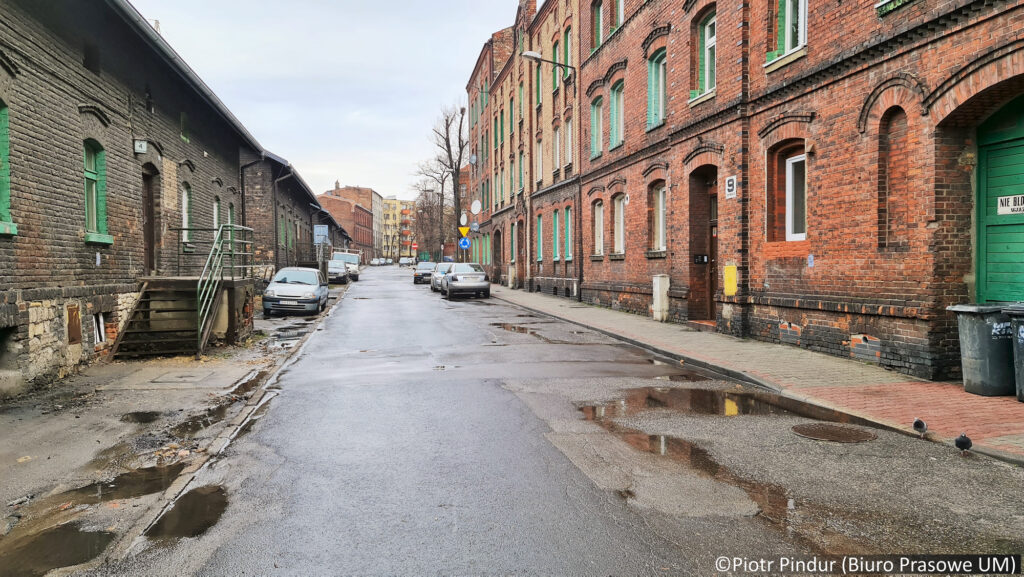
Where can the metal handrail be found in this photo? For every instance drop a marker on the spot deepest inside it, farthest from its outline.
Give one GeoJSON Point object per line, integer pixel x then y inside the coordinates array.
{"type": "Point", "coordinates": [209, 284]}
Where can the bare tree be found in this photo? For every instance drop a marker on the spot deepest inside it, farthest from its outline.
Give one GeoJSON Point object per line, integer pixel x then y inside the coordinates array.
{"type": "Point", "coordinates": [451, 140]}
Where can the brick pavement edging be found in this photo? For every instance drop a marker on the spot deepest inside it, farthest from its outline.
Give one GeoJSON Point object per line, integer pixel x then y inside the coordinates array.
{"type": "Point", "coordinates": [830, 398]}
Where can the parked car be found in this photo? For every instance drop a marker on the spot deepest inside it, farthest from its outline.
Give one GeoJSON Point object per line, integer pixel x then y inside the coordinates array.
{"type": "Point", "coordinates": [439, 271]}
{"type": "Point", "coordinates": [423, 272]}
{"type": "Point", "coordinates": [295, 289]}
{"type": "Point", "coordinates": [406, 261]}
{"type": "Point", "coordinates": [390, 261]}
{"type": "Point", "coordinates": [337, 272]}
{"type": "Point", "coordinates": [466, 278]}
{"type": "Point", "coordinates": [352, 260]}
{"type": "Point", "coordinates": [375, 262]}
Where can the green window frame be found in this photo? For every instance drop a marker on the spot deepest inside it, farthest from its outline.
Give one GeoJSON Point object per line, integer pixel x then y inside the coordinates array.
{"type": "Point", "coordinates": [555, 68]}
{"type": "Point", "coordinates": [521, 170]}
{"type": "Point", "coordinates": [537, 74]}
{"type": "Point", "coordinates": [291, 236]}
{"type": "Point", "coordinates": [501, 187]}
{"type": "Point", "coordinates": [495, 133]}
{"type": "Point", "coordinates": [521, 100]}
{"type": "Point", "coordinates": [656, 93]}
{"type": "Point", "coordinates": [540, 237]}
{"type": "Point", "coordinates": [597, 21]}
{"type": "Point", "coordinates": [511, 116]}
{"type": "Point", "coordinates": [501, 116]}
{"type": "Point", "coordinates": [186, 137]}
{"type": "Point", "coordinates": [568, 233]}
{"type": "Point", "coordinates": [216, 212]}
{"type": "Point", "coordinates": [7, 226]}
{"type": "Point", "coordinates": [95, 176]}
{"type": "Point", "coordinates": [231, 221]}
{"type": "Point", "coordinates": [596, 127]}
{"type": "Point", "coordinates": [554, 236]}
{"type": "Point", "coordinates": [791, 30]}
{"type": "Point", "coordinates": [512, 242]}
{"type": "Point", "coordinates": [620, 14]}
{"type": "Point", "coordinates": [511, 181]}
{"type": "Point", "coordinates": [617, 121]}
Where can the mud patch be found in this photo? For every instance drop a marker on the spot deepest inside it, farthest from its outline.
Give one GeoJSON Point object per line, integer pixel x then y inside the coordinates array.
{"type": "Point", "coordinates": [192, 515]}
{"type": "Point", "coordinates": [141, 417]}
{"type": "Point", "coordinates": [833, 433]}
{"type": "Point", "coordinates": [128, 485]}
{"type": "Point", "coordinates": [196, 424]}
{"type": "Point", "coordinates": [63, 546]}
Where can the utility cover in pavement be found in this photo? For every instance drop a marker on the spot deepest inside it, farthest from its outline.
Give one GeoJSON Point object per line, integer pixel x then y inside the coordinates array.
{"type": "Point", "coordinates": [834, 433]}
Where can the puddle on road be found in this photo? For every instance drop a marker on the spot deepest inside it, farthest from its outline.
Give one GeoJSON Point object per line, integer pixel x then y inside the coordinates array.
{"type": "Point", "coordinates": [63, 546]}
{"type": "Point", "coordinates": [141, 417]}
{"type": "Point", "coordinates": [196, 424]}
{"type": "Point", "coordinates": [192, 515]}
{"type": "Point", "coordinates": [128, 485]}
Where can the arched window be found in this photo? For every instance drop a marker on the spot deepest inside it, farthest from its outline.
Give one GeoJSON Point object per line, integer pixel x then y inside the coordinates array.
{"type": "Point", "coordinates": [596, 127]}
{"type": "Point", "coordinates": [6, 222]}
{"type": "Point", "coordinates": [893, 179]}
{"type": "Point", "coordinates": [656, 209]}
{"type": "Point", "coordinates": [617, 127]}
{"type": "Point", "coordinates": [787, 192]}
{"type": "Point", "coordinates": [619, 224]}
{"type": "Point", "coordinates": [95, 176]}
{"type": "Point", "coordinates": [186, 211]}
{"type": "Point", "coordinates": [598, 226]}
{"type": "Point", "coordinates": [656, 93]}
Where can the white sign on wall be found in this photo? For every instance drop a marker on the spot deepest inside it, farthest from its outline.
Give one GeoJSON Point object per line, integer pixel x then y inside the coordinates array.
{"type": "Point", "coordinates": [1011, 204]}
{"type": "Point", "coordinates": [731, 185]}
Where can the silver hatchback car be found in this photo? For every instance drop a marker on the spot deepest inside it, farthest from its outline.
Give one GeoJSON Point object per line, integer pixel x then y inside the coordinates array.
{"type": "Point", "coordinates": [439, 271]}
{"type": "Point", "coordinates": [467, 279]}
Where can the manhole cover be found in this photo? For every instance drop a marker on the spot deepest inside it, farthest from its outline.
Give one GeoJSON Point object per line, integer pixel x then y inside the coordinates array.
{"type": "Point", "coordinates": [834, 433]}
{"type": "Point", "coordinates": [181, 377]}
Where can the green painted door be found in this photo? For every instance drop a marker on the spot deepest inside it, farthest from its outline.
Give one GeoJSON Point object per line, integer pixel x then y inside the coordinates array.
{"type": "Point", "coordinates": [1001, 205]}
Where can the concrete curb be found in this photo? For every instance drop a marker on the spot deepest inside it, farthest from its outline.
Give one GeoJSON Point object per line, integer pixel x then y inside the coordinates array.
{"type": "Point", "coordinates": [123, 547]}
{"type": "Point", "coordinates": [745, 377]}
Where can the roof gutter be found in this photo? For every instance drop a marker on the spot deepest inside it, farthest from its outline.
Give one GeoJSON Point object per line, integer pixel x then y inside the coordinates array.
{"type": "Point", "coordinates": [177, 63]}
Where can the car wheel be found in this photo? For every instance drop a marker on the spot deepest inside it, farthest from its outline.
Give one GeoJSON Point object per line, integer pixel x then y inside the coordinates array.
{"type": "Point", "coordinates": [268, 315]}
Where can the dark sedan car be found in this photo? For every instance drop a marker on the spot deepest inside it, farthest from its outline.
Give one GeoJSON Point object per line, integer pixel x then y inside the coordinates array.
{"type": "Point", "coordinates": [423, 272]}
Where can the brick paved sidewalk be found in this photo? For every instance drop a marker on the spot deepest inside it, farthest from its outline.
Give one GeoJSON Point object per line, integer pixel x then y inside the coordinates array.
{"type": "Point", "coordinates": [995, 424]}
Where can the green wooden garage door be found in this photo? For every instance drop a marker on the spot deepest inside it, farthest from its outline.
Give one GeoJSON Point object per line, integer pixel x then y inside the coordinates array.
{"type": "Point", "coordinates": [1001, 205]}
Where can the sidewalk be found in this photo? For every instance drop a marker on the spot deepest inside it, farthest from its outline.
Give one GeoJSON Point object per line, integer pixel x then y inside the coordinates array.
{"type": "Point", "coordinates": [995, 424]}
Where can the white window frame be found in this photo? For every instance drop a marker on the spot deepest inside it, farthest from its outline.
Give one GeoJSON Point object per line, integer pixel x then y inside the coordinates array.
{"type": "Point", "coordinates": [540, 237]}
{"type": "Point", "coordinates": [660, 206]}
{"type": "Point", "coordinates": [568, 142]}
{"type": "Point", "coordinates": [790, 162]}
{"type": "Point", "coordinates": [599, 228]}
{"type": "Point", "coordinates": [99, 328]}
{"type": "Point", "coordinates": [555, 248]}
{"type": "Point", "coordinates": [556, 150]}
{"type": "Point", "coordinates": [620, 13]}
{"type": "Point", "coordinates": [801, 26]}
{"type": "Point", "coordinates": [568, 233]}
{"type": "Point", "coordinates": [619, 225]}
{"type": "Point", "coordinates": [540, 161]}
{"type": "Point", "coordinates": [709, 44]}
{"type": "Point", "coordinates": [186, 220]}
{"type": "Point", "coordinates": [599, 24]}
{"type": "Point", "coordinates": [512, 243]}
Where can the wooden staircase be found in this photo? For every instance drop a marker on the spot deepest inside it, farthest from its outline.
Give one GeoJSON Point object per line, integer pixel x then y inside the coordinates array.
{"type": "Point", "coordinates": [164, 321]}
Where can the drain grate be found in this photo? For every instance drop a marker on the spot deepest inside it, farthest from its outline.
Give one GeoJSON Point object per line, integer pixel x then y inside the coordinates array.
{"type": "Point", "coordinates": [834, 433]}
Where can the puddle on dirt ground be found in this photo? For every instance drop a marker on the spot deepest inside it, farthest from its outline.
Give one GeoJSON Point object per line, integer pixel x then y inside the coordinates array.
{"type": "Point", "coordinates": [192, 426]}
{"type": "Point", "coordinates": [128, 485]}
{"type": "Point", "coordinates": [192, 515]}
{"type": "Point", "coordinates": [141, 417]}
{"type": "Point", "coordinates": [256, 415]}
{"type": "Point", "coordinates": [251, 383]}
{"type": "Point", "coordinates": [63, 546]}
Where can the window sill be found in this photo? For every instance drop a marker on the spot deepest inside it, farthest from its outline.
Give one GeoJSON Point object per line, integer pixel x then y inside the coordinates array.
{"type": "Point", "coordinates": [616, 146]}
{"type": "Point", "coordinates": [785, 59]}
{"type": "Point", "coordinates": [8, 229]}
{"type": "Point", "coordinates": [568, 259]}
{"type": "Point", "coordinates": [701, 98]}
{"type": "Point", "coordinates": [652, 254]}
{"type": "Point", "coordinates": [617, 256]}
{"type": "Point", "coordinates": [653, 127]}
{"type": "Point", "coordinates": [97, 238]}
{"type": "Point", "coordinates": [597, 257]}
{"type": "Point", "coordinates": [595, 156]}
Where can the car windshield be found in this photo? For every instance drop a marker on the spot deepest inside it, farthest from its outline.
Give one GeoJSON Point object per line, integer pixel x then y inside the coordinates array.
{"type": "Point", "coordinates": [296, 277]}
{"type": "Point", "coordinates": [425, 266]}
{"type": "Point", "coordinates": [443, 267]}
{"type": "Point", "coordinates": [467, 267]}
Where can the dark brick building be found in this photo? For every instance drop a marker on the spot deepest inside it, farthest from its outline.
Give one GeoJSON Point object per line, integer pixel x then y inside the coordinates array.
{"type": "Point", "coordinates": [282, 210]}
{"type": "Point", "coordinates": [108, 143]}
{"type": "Point", "coordinates": [829, 176]}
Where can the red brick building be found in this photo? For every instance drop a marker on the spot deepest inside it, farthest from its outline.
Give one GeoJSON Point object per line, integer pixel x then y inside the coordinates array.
{"type": "Point", "coordinates": [828, 176]}
{"type": "Point", "coordinates": [356, 219]}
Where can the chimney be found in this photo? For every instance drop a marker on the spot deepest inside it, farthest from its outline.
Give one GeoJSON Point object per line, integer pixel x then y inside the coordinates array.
{"type": "Point", "coordinates": [337, 184]}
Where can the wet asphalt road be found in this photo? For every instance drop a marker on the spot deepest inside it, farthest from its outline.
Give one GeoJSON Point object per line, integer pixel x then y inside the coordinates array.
{"type": "Point", "coordinates": [393, 449]}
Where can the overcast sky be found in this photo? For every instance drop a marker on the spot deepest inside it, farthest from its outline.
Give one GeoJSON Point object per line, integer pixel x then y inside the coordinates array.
{"type": "Point", "coordinates": [346, 90]}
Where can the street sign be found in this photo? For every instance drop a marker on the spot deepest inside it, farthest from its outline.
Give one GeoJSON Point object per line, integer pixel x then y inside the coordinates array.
{"type": "Point", "coordinates": [463, 230]}
{"type": "Point", "coordinates": [415, 246]}
{"type": "Point", "coordinates": [463, 219]}
{"type": "Point", "coordinates": [464, 243]}
{"type": "Point", "coordinates": [475, 207]}
{"type": "Point", "coordinates": [475, 227]}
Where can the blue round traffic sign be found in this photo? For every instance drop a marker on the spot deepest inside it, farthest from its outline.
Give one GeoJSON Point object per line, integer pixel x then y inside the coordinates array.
{"type": "Point", "coordinates": [464, 243]}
